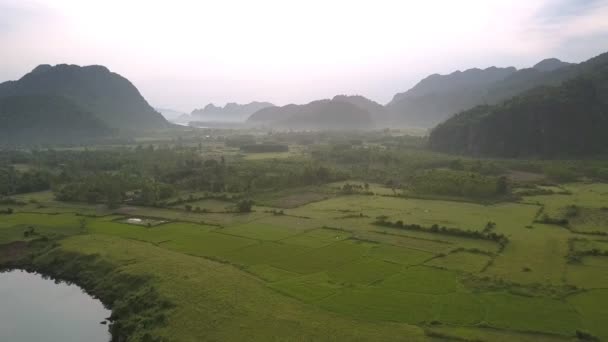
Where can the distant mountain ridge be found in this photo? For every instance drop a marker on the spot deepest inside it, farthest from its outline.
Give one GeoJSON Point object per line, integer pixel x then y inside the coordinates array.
{"type": "Point", "coordinates": [332, 114]}
{"type": "Point", "coordinates": [568, 118]}
{"type": "Point", "coordinates": [108, 96]}
{"type": "Point", "coordinates": [437, 97]}
{"type": "Point", "coordinates": [231, 112]}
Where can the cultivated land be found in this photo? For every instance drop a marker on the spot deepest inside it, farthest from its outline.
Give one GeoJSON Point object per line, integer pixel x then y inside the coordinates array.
{"type": "Point", "coordinates": [323, 266]}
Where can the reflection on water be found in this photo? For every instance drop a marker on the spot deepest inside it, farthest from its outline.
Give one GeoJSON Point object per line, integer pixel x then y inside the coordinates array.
{"type": "Point", "coordinates": [36, 309]}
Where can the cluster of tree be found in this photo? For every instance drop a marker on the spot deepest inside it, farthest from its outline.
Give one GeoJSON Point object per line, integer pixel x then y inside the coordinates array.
{"type": "Point", "coordinates": [16, 182]}
{"type": "Point", "coordinates": [151, 175]}
{"type": "Point", "coordinates": [458, 183]}
{"type": "Point", "coordinates": [474, 234]}
{"type": "Point", "coordinates": [576, 256]}
{"type": "Point", "coordinates": [546, 219]}
{"type": "Point", "coordinates": [349, 189]}
{"type": "Point", "coordinates": [261, 148]}
{"type": "Point", "coordinates": [244, 206]}
{"type": "Point", "coordinates": [114, 189]}
{"type": "Point", "coordinates": [192, 198]}
{"type": "Point", "coordinates": [7, 211]}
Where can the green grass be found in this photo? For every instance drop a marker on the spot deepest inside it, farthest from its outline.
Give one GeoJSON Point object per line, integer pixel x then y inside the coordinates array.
{"type": "Point", "coordinates": [364, 271]}
{"type": "Point", "coordinates": [263, 253]}
{"type": "Point", "coordinates": [269, 276]}
{"type": "Point", "coordinates": [592, 308]}
{"type": "Point", "coordinates": [422, 279]}
{"type": "Point", "coordinates": [530, 313]}
{"type": "Point", "coordinates": [324, 258]}
{"type": "Point", "coordinates": [460, 309]}
{"type": "Point", "coordinates": [591, 273]}
{"type": "Point", "coordinates": [400, 255]}
{"type": "Point", "coordinates": [317, 238]}
{"type": "Point", "coordinates": [375, 304]}
{"type": "Point", "coordinates": [308, 288]}
{"type": "Point", "coordinates": [214, 301]}
{"type": "Point", "coordinates": [461, 261]}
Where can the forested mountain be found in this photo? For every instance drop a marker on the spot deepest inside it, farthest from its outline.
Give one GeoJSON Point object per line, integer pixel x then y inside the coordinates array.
{"type": "Point", "coordinates": [231, 112]}
{"type": "Point", "coordinates": [547, 121]}
{"type": "Point", "coordinates": [378, 112]}
{"type": "Point", "coordinates": [107, 95]}
{"type": "Point", "coordinates": [437, 97]}
{"type": "Point", "coordinates": [550, 64]}
{"type": "Point", "coordinates": [322, 114]}
{"type": "Point", "coordinates": [35, 119]}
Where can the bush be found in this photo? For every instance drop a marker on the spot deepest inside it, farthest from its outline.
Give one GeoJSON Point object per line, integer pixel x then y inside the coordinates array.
{"type": "Point", "coordinates": [244, 206]}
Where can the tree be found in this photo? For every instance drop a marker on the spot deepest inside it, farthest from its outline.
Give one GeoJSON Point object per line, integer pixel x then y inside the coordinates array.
{"type": "Point", "coordinates": [83, 225]}
{"type": "Point", "coordinates": [244, 206]}
{"type": "Point", "coordinates": [502, 185]}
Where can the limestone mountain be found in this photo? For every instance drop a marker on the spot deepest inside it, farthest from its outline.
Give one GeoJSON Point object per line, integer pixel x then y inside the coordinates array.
{"type": "Point", "coordinates": [107, 95]}
{"type": "Point", "coordinates": [377, 111]}
{"type": "Point", "coordinates": [43, 119]}
{"type": "Point", "coordinates": [231, 112]}
{"type": "Point", "coordinates": [437, 97]}
{"type": "Point", "coordinates": [316, 115]}
{"type": "Point", "coordinates": [569, 119]}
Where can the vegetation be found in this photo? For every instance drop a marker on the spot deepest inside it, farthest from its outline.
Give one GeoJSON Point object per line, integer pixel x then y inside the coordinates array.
{"type": "Point", "coordinates": [565, 120]}
{"type": "Point", "coordinates": [356, 236]}
{"type": "Point", "coordinates": [81, 100]}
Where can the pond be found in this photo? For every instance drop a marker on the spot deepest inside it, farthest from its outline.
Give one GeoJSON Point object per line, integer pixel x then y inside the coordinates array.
{"type": "Point", "coordinates": [36, 309]}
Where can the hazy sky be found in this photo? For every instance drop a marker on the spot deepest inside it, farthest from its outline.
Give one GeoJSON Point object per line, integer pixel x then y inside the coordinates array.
{"type": "Point", "coordinates": [183, 54]}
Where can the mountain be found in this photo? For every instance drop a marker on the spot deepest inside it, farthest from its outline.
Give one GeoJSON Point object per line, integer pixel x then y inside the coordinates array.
{"type": "Point", "coordinates": [231, 112]}
{"type": "Point", "coordinates": [570, 119]}
{"type": "Point", "coordinates": [378, 112]}
{"type": "Point", "coordinates": [42, 119]}
{"type": "Point", "coordinates": [437, 97]}
{"type": "Point", "coordinates": [107, 95]}
{"type": "Point", "coordinates": [550, 64]}
{"type": "Point", "coordinates": [317, 115]}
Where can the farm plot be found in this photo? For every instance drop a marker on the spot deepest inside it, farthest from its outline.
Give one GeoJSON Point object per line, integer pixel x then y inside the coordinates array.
{"type": "Point", "coordinates": [317, 237]}
{"type": "Point", "coordinates": [422, 279]}
{"type": "Point", "coordinates": [461, 261]}
{"type": "Point", "coordinates": [514, 312]}
{"type": "Point", "coordinates": [590, 273]}
{"type": "Point", "coordinates": [324, 258]}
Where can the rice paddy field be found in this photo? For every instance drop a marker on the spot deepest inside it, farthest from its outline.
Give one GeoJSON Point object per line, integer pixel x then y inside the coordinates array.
{"type": "Point", "coordinates": [323, 270]}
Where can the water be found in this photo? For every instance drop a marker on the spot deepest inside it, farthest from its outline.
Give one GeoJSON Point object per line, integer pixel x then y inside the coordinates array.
{"type": "Point", "coordinates": [35, 309]}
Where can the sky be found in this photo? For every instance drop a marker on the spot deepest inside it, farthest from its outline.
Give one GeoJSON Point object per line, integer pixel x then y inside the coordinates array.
{"type": "Point", "coordinates": [184, 54]}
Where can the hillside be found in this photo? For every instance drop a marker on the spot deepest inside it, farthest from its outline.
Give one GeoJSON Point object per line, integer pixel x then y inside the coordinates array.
{"type": "Point", "coordinates": [323, 114]}
{"type": "Point", "coordinates": [39, 119]}
{"type": "Point", "coordinates": [231, 112]}
{"type": "Point", "coordinates": [437, 97]}
{"type": "Point", "coordinates": [107, 95]}
{"type": "Point", "coordinates": [565, 120]}
{"type": "Point", "coordinates": [378, 112]}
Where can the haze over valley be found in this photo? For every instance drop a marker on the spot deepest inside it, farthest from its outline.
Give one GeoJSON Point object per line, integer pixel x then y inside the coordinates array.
{"type": "Point", "coordinates": [304, 171]}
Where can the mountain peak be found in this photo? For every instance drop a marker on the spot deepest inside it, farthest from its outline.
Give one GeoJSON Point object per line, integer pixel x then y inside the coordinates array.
{"type": "Point", "coordinates": [550, 64]}
{"type": "Point", "coordinates": [112, 98]}
{"type": "Point", "coordinates": [41, 68]}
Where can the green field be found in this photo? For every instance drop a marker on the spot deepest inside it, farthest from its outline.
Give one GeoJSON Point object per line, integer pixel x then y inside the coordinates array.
{"type": "Point", "coordinates": [311, 263]}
